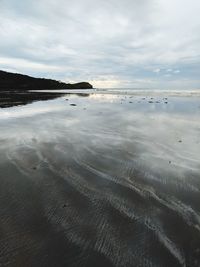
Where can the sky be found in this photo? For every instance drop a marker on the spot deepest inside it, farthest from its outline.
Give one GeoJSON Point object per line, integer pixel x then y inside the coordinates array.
{"type": "Point", "coordinates": [110, 43]}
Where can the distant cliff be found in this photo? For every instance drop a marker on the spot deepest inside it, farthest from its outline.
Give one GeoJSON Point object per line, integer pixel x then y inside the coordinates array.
{"type": "Point", "coordinates": [13, 81]}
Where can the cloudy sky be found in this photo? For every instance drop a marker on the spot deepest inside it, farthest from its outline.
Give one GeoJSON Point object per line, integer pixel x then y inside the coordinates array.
{"type": "Point", "coordinates": [110, 43]}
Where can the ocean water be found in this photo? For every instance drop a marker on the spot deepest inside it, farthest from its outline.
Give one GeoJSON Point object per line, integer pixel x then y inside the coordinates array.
{"type": "Point", "coordinates": [101, 178]}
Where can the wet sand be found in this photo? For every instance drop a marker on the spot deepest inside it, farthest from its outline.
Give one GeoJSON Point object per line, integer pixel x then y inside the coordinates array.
{"type": "Point", "coordinates": [15, 98]}
{"type": "Point", "coordinates": [101, 180]}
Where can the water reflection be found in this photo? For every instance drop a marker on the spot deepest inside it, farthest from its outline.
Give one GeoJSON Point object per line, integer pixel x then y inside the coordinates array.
{"type": "Point", "coordinates": [103, 183]}
{"type": "Point", "coordinates": [11, 99]}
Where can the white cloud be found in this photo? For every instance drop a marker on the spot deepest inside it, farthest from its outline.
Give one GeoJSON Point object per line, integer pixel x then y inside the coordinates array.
{"type": "Point", "coordinates": [157, 70]}
{"type": "Point", "coordinates": [177, 71]}
{"type": "Point", "coordinates": [26, 64]}
{"type": "Point", "coordinates": [83, 39]}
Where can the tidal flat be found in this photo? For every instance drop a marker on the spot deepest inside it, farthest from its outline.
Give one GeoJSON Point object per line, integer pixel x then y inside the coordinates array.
{"type": "Point", "coordinates": [100, 178]}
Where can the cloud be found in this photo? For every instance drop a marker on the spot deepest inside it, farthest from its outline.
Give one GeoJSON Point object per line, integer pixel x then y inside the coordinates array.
{"type": "Point", "coordinates": [157, 70]}
{"type": "Point", "coordinates": [177, 71]}
{"type": "Point", "coordinates": [109, 42]}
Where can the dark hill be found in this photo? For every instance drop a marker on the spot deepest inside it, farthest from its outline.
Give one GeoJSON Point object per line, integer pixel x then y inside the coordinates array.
{"type": "Point", "coordinates": [13, 81]}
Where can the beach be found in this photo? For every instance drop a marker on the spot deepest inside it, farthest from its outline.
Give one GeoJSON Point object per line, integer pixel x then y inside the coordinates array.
{"type": "Point", "coordinates": [101, 178]}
